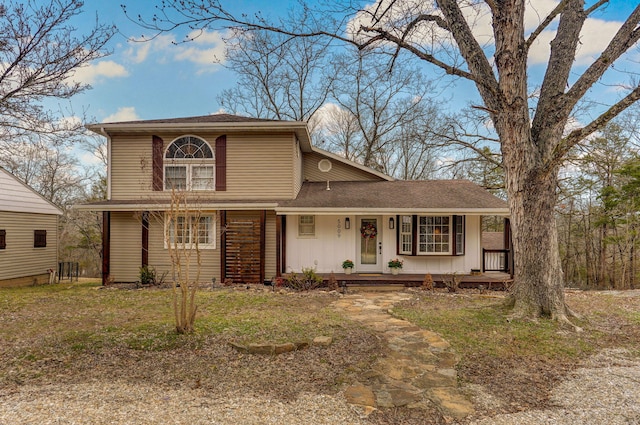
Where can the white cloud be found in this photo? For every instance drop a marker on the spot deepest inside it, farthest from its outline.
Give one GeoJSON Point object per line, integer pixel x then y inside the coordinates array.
{"type": "Point", "coordinates": [595, 35]}
{"type": "Point", "coordinates": [125, 113]}
{"type": "Point", "coordinates": [594, 38]}
{"type": "Point", "coordinates": [139, 52]}
{"type": "Point", "coordinates": [89, 158]}
{"type": "Point", "coordinates": [91, 73]}
{"type": "Point", "coordinates": [205, 50]}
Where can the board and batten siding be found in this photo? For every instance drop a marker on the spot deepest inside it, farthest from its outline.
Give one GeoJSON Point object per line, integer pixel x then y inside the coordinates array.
{"type": "Point", "coordinates": [339, 170]}
{"type": "Point", "coordinates": [20, 258]}
{"type": "Point", "coordinates": [333, 244]}
{"type": "Point", "coordinates": [259, 166]}
{"type": "Point", "coordinates": [126, 246]}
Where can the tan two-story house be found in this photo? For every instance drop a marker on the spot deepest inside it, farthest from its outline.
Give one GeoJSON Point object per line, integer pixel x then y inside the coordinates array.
{"type": "Point", "coordinates": [270, 203]}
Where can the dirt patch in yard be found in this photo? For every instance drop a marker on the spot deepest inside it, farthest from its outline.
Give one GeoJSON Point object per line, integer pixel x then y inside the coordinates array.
{"type": "Point", "coordinates": [80, 333]}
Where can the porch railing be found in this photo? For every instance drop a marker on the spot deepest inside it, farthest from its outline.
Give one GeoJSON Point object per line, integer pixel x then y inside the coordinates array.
{"type": "Point", "coordinates": [496, 260]}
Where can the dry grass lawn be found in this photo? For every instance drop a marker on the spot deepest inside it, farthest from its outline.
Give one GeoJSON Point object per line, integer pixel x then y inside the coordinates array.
{"type": "Point", "coordinates": [71, 333]}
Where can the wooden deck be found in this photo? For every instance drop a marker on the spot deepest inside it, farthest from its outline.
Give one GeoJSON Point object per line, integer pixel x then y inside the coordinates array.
{"type": "Point", "coordinates": [489, 280]}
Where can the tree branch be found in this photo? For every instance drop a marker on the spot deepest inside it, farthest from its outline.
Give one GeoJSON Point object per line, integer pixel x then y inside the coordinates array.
{"type": "Point", "coordinates": [544, 24]}
{"type": "Point", "coordinates": [626, 37]}
{"type": "Point", "coordinates": [578, 135]}
{"type": "Point", "coordinates": [480, 69]}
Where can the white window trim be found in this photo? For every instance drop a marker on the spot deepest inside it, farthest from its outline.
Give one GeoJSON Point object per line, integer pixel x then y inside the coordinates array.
{"type": "Point", "coordinates": [189, 165]}
{"type": "Point", "coordinates": [402, 233]}
{"type": "Point", "coordinates": [451, 239]}
{"type": "Point", "coordinates": [192, 245]}
{"type": "Point", "coordinates": [463, 221]}
{"type": "Point", "coordinates": [307, 235]}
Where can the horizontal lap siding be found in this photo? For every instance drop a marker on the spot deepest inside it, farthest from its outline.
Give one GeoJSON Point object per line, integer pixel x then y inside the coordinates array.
{"type": "Point", "coordinates": [20, 258]}
{"type": "Point", "coordinates": [160, 259]}
{"type": "Point", "coordinates": [258, 166]}
{"type": "Point", "coordinates": [339, 171]}
{"type": "Point", "coordinates": [297, 169]}
{"type": "Point", "coordinates": [126, 246]}
{"type": "Point", "coordinates": [131, 167]}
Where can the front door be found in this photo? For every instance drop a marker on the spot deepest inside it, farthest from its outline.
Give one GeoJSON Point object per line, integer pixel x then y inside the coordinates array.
{"type": "Point", "coordinates": [369, 258]}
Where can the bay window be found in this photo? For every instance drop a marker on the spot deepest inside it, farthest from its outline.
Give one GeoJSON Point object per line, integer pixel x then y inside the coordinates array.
{"type": "Point", "coordinates": [431, 235]}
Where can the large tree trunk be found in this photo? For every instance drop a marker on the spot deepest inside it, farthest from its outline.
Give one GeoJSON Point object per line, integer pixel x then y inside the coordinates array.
{"type": "Point", "coordinates": [539, 282]}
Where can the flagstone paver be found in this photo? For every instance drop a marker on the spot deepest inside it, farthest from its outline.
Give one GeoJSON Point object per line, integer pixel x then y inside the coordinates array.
{"type": "Point", "coordinates": [419, 369]}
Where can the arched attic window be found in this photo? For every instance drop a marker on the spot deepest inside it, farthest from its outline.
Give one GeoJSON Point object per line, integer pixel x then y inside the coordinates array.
{"type": "Point", "coordinates": [189, 164]}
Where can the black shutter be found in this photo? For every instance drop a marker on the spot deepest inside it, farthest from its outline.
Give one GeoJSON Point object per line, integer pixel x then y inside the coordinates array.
{"type": "Point", "coordinates": [157, 163]}
{"type": "Point", "coordinates": [221, 163]}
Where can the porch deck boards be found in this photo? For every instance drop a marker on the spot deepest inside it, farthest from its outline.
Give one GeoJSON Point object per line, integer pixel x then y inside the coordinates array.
{"type": "Point", "coordinates": [492, 280]}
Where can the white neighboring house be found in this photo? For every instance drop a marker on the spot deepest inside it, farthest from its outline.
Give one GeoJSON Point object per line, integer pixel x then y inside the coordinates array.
{"type": "Point", "coordinates": [28, 233]}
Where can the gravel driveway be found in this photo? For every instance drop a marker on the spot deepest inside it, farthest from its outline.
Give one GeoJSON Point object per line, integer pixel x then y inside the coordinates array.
{"type": "Point", "coordinates": [605, 391]}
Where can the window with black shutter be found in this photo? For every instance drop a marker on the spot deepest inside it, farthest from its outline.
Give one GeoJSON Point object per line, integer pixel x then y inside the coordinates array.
{"type": "Point", "coordinates": [3, 239]}
{"type": "Point", "coordinates": [39, 238]}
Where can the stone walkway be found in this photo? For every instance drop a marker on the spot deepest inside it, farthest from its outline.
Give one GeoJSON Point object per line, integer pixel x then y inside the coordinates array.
{"type": "Point", "coordinates": [420, 368]}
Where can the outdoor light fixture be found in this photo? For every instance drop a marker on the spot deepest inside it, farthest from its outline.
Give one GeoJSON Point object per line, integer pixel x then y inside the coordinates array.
{"type": "Point", "coordinates": [347, 223]}
{"type": "Point", "coordinates": [392, 223]}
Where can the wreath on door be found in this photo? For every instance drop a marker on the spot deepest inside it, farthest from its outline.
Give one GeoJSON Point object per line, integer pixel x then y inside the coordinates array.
{"type": "Point", "coordinates": [368, 231]}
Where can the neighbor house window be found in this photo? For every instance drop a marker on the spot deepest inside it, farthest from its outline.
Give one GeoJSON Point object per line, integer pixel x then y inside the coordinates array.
{"type": "Point", "coordinates": [307, 225]}
{"type": "Point", "coordinates": [39, 238]}
{"type": "Point", "coordinates": [406, 234]}
{"type": "Point", "coordinates": [189, 164]}
{"type": "Point", "coordinates": [192, 232]}
{"type": "Point", "coordinates": [3, 239]}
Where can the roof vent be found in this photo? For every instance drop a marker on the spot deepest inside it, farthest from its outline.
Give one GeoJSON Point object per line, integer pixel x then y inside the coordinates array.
{"type": "Point", "coordinates": [325, 165]}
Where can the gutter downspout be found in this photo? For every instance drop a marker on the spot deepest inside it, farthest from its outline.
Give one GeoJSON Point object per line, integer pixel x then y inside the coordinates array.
{"type": "Point", "coordinates": [105, 134]}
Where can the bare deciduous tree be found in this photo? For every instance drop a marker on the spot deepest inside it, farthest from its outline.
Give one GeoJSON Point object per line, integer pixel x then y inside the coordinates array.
{"type": "Point", "coordinates": [279, 77]}
{"type": "Point", "coordinates": [39, 52]}
{"type": "Point", "coordinates": [532, 135]}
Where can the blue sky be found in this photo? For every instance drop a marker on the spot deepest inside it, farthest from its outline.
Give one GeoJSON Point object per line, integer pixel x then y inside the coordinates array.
{"type": "Point", "coordinates": [158, 79]}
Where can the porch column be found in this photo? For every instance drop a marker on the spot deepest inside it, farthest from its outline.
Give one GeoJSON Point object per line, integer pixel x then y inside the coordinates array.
{"type": "Point", "coordinates": [145, 238]}
{"type": "Point", "coordinates": [281, 238]}
{"type": "Point", "coordinates": [263, 244]}
{"type": "Point", "coordinates": [223, 246]}
{"type": "Point", "coordinates": [508, 245]}
{"type": "Point", "coordinates": [278, 243]}
{"type": "Point", "coordinates": [106, 246]}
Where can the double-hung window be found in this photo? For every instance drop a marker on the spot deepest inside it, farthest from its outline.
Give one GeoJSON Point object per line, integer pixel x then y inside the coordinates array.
{"type": "Point", "coordinates": [189, 164]}
{"type": "Point", "coordinates": [406, 235]}
{"type": "Point", "coordinates": [192, 232]}
{"type": "Point", "coordinates": [306, 226]}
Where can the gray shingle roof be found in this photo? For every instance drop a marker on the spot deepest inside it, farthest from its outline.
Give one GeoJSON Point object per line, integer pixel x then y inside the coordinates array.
{"type": "Point", "coordinates": [422, 194]}
{"type": "Point", "coordinates": [212, 118]}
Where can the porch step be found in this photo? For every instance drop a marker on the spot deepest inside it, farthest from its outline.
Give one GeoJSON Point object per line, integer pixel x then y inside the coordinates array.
{"type": "Point", "coordinates": [374, 287]}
